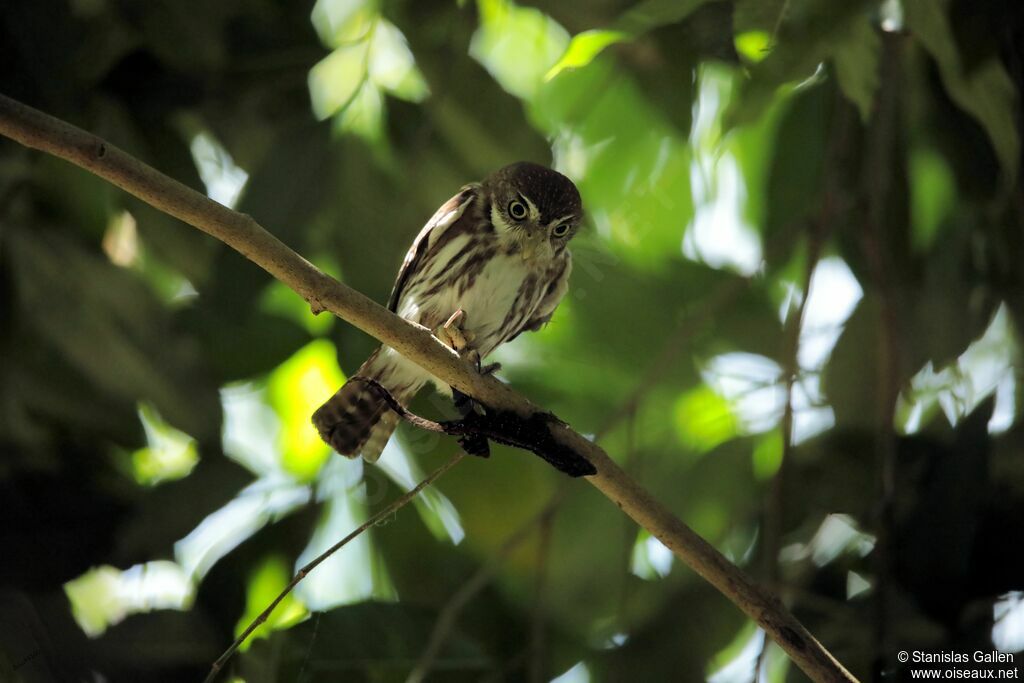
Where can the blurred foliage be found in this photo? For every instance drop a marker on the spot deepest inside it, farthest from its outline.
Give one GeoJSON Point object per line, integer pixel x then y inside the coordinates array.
{"type": "Point", "coordinates": [795, 316]}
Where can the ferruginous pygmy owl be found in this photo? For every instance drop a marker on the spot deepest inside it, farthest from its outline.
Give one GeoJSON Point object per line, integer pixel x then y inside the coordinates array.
{"type": "Point", "coordinates": [491, 263]}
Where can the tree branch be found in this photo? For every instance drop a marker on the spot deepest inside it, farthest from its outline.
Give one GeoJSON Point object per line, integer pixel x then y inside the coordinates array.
{"type": "Point", "coordinates": [35, 129]}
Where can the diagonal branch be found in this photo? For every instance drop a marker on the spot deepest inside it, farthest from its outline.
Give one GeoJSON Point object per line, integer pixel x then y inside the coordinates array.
{"type": "Point", "coordinates": [37, 130]}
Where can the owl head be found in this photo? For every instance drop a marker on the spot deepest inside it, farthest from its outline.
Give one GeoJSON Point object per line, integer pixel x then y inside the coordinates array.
{"type": "Point", "coordinates": [538, 209]}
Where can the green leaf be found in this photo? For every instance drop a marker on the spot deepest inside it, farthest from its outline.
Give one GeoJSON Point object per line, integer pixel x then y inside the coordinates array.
{"type": "Point", "coordinates": [278, 299]}
{"type": "Point", "coordinates": [753, 45]}
{"type": "Point", "coordinates": [704, 419]}
{"type": "Point", "coordinates": [932, 195]}
{"type": "Point", "coordinates": [339, 22]}
{"type": "Point", "coordinates": [169, 455]}
{"type": "Point", "coordinates": [517, 45]}
{"type": "Point", "coordinates": [856, 60]}
{"type": "Point", "coordinates": [267, 580]}
{"type": "Point", "coordinates": [335, 80]}
{"type": "Point", "coordinates": [297, 388]}
{"type": "Point", "coordinates": [584, 47]}
{"type": "Point", "coordinates": [364, 115]}
{"type": "Point", "coordinates": [986, 92]}
{"type": "Point", "coordinates": [104, 596]}
{"type": "Point", "coordinates": [767, 456]}
{"type": "Point", "coordinates": [392, 67]}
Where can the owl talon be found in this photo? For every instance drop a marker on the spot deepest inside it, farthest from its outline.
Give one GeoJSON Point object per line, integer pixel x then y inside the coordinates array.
{"type": "Point", "coordinates": [451, 332]}
{"type": "Point", "coordinates": [455, 320]}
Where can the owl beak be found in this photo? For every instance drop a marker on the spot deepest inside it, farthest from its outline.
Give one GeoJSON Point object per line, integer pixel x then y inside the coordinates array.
{"type": "Point", "coordinates": [531, 243]}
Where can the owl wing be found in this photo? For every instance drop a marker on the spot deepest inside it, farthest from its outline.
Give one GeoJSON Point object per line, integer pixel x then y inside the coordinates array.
{"type": "Point", "coordinates": [557, 288]}
{"type": "Point", "coordinates": [445, 217]}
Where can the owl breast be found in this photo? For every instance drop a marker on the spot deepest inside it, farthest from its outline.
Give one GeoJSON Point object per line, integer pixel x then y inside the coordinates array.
{"type": "Point", "coordinates": [498, 291]}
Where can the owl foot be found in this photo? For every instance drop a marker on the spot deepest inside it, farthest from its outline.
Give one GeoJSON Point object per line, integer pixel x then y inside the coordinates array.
{"type": "Point", "coordinates": [452, 334]}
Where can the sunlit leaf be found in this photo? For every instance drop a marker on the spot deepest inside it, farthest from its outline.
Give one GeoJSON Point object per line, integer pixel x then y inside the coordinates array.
{"type": "Point", "coordinates": [641, 201]}
{"type": "Point", "coordinates": [753, 45]}
{"type": "Point", "coordinates": [647, 15]}
{"type": "Point", "coordinates": [341, 22]}
{"type": "Point", "coordinates": [356, 572]}
{"type": "Point", "coordinates": [351, 81]}
{"type": "Point", "coordinates": [718, 235]}
{"type": "Point", "coordinates": [704, 419]}
{"type": "Point", "coordinates": [959, 387]}
{"type": "Point", "coordinates": [280, 300]}
{"type": "Point", "coordinates": [267, 499]}
{"type": "Point", "coordinates": [436, 510]}
{"type": "Point", "coordinates": [986, 91]}
{"type": "Point", "coordinates": [584, 47]}
{"type": "Point", "coordinates": [105, 596]}
{"type": "Point", "coordinates": [517, 45]}
{"type": "Point", "coordinates": [736, 660]}
{"type": "Point", "coordinates": [335, 80]}
{"type": "Point", "coordinates": [171, 454]}
{"type": "Point", "coordinates": [392, 66]}
{"type": "Point", "coordinates": [650, 559]}
{"type": "Point", "coordinates": [932, 195]}
{"type": "Point", "coordinates": [266, 581]}
{"type": "Point", "coordinates": [364, 115]}
{"type": "Point", "coordinates": [768, 454]}
{"type": "Point", "coordinates": [295, 390]}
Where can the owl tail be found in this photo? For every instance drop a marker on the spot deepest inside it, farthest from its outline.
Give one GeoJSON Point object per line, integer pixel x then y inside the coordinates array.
{"type": "Point", "coordinates": [356, 420]}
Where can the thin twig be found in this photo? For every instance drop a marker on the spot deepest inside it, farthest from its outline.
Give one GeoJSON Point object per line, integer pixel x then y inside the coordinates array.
{"type": "Point", "coordinates": [391, 509]}
{"type": "Point", "coordinates": [37, 130]}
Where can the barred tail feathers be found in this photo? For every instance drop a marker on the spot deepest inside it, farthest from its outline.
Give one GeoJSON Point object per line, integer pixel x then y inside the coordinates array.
{"type": "Point", "coordinates": [356, 420]}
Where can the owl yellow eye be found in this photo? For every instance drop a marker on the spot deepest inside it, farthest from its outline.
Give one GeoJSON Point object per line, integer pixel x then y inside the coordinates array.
{"type": "Point", "coordinates": [517, 210]}
{"type": "Point", "coordinates": [560, 230]}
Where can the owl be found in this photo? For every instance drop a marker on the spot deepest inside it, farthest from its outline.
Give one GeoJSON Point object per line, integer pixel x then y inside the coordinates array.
{"type": "Point", "coordinates": [491, 263]}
